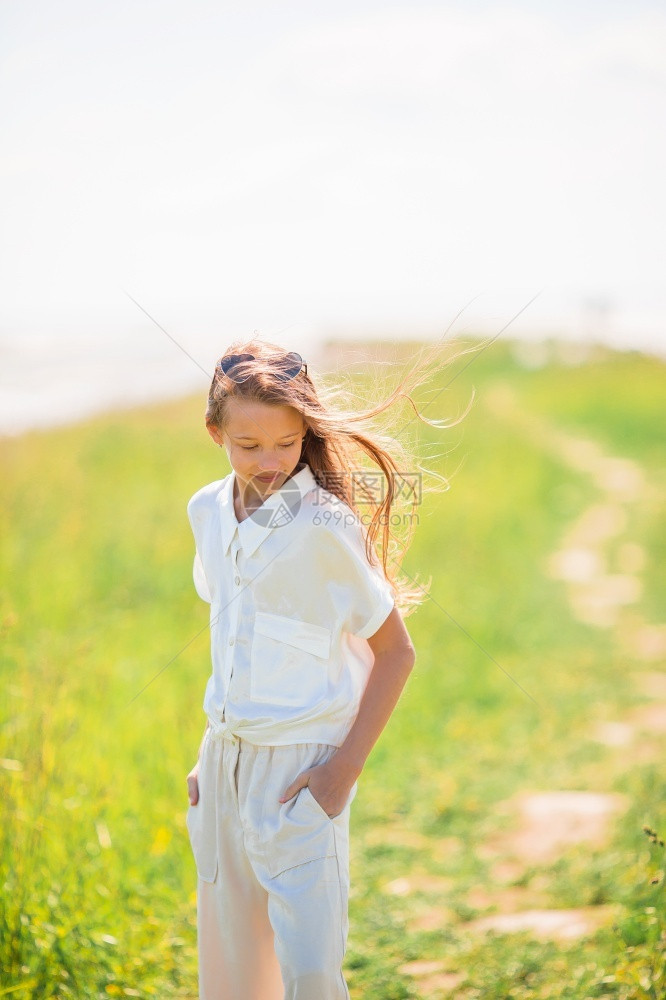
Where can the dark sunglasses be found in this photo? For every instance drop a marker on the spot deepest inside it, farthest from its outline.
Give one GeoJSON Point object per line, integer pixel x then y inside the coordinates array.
{"type": "Point", "coordinates": [288, 366]}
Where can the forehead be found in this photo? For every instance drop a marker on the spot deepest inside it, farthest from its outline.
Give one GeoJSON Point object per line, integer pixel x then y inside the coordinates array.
{"type": "Point", "coordinates": [261, 420]}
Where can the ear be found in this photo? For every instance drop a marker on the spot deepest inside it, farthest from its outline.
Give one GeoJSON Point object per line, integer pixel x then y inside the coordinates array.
{"type": "Point", "coordinates": [216, 434]}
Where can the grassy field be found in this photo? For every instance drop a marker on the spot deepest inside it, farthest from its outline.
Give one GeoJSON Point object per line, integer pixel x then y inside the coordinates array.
{"type": "Point", "coordinates": [105, 654]}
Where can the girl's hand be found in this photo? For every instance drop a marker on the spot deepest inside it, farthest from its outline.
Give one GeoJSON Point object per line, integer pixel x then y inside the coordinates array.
{"type": "Point", "coordinates": [329, 783]}
{"type": "Point", "coordinates": [193, 784]}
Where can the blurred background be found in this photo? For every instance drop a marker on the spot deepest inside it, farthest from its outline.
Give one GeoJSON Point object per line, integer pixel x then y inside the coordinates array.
{"type": "Point", "coordinates": [314, 170]}
{"type": "Point", "coordinates": [352, 180]}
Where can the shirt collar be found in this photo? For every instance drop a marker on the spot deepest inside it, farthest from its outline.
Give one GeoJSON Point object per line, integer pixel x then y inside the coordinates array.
{"type": "Point", "coordinates": [252, 531]}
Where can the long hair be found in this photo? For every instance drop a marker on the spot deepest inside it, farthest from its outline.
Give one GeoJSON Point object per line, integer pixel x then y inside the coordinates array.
{"type": "Point", "coordinates": [339, 440]}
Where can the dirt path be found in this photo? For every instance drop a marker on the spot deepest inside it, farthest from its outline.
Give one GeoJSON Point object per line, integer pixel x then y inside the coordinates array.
{"type": "Point", "coordinates": [600, 564]}
{"type": "Point", "coordinates": [598, 560]}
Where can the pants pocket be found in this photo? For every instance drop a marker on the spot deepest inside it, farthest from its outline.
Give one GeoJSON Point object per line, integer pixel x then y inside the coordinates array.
{"type": "Point", "coordinates": [304, 833]}
{"type": "Point", "coordinates": [321, 810]}
{"type": "Point", "coordinates": [201, 822]}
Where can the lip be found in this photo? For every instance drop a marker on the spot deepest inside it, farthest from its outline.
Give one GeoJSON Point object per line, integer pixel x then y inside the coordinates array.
{"type": "Point", "coordinates": [268, 479]}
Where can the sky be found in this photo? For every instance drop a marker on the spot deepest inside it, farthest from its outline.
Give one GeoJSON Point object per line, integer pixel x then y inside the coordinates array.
{"type": "Point", "coordinates": [309, 169]}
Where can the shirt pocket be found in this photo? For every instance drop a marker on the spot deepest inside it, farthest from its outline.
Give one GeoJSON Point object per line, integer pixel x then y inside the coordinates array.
{"type": "Point", "coordinates": [289, 661]}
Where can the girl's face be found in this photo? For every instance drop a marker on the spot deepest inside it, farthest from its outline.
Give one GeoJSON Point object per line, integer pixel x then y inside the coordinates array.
{"type": "Point", "coordinates": [263, 443]}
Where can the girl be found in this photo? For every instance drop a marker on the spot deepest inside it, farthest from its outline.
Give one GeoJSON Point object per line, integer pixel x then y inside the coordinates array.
{"type": "Point", "coordinates": [309, 657]}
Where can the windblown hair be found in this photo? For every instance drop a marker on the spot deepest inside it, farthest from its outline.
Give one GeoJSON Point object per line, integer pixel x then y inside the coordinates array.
{"type": "Point", "coordinates": [339, 440]}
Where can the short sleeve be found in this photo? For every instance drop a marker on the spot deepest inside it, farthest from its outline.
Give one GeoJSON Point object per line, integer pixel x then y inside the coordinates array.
{"type": "Point", "coordinates": [370, 597]}
{"type": "Point", "coordinates": [200, 582]}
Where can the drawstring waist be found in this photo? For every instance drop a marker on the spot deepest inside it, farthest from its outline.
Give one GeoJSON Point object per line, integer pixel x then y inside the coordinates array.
{"type": "Point", "coordinates": [218, 733]}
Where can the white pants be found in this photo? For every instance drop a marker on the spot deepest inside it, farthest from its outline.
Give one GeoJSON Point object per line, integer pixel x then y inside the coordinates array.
{"type": "Point", "coordinates": [273, 879]}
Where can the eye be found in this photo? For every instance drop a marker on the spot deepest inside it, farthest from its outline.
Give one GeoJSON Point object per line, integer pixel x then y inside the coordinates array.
{"type": "Point", "coordinates": [253, 447]}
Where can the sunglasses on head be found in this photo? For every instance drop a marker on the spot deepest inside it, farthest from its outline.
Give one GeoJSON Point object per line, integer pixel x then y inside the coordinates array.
{"type": "Point", "coordinates": [287, 366]}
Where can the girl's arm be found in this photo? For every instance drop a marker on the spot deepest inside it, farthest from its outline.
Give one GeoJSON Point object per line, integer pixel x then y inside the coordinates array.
{"type": "Point", "coordinates": [331, 783]}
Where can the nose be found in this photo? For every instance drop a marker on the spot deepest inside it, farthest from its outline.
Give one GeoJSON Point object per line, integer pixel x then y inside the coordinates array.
{"type": "Point", "coordinates": [269, 462]}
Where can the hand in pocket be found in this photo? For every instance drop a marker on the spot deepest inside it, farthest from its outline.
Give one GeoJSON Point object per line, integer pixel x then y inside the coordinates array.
{"type": "Point", "coordinates": [193, 785]}
{"type": "Point", "coordinates": [330, 786]}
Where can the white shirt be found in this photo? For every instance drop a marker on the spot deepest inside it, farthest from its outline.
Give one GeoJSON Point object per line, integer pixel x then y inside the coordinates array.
{"type": "Point", "coordinates": [293, 600]}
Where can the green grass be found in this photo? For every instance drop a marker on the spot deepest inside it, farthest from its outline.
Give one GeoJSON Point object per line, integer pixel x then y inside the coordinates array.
{"type": "Point", "coordinates": [105, 656]}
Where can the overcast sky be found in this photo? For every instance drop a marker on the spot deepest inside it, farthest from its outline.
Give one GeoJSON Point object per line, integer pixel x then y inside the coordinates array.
{"type": "Point", "coordinates": [327, 166]}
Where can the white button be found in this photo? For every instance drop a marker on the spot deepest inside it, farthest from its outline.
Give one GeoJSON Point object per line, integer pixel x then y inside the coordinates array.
{"type": "Point", "coordinates": [231, 642]}
{"type": "Point", "coordinates": [236, 580]}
